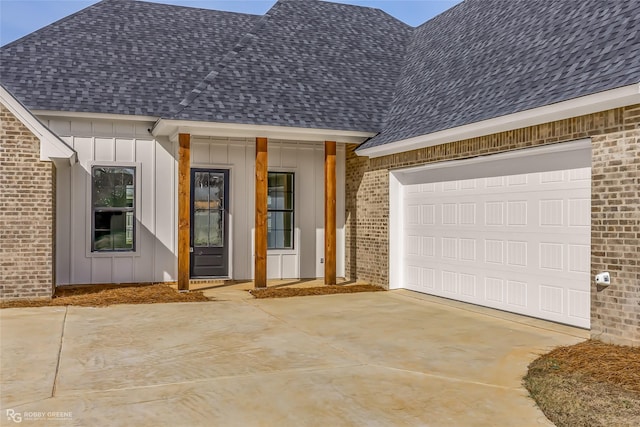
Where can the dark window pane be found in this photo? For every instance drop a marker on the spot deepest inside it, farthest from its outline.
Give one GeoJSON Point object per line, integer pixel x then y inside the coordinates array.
{"type": "Point", "coordinates": [113, 187]}
{"type": "Point", "coordinates": [279, 239]}
{"type": "Point", "coordinates": [288, 239]}
{"type": "Point", "coordinates": [271, 239]}
{"type": "Point", "coordinates": [288, 201]}
{"type": "Point", "coordinates": [287, 220]}
{"type": "Point", "coordinates": [279, 200]}
{"type": "Point", "coordinates": [113, 231]}
{"type": "Point", "coordinates": [271, 198]}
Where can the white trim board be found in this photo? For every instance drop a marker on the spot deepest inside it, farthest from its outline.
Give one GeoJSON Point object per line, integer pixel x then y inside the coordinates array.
{"type": "Point", "coordinates": [602, 101]}
{"type": "Point", "coordinates": [172, 128]}
{"type": "Point", "coordinates": [51, 146]}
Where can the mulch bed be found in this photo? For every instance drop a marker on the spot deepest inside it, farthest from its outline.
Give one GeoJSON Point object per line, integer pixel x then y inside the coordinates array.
{"type": "Point", "coordinates": [105, 295]}
{"type": "Point", "coordinates": [317, 290]}
{"type": "Point", "coordinates": [588, 384]}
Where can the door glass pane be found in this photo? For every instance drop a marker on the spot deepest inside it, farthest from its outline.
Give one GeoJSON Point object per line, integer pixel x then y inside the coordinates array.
{"type": "Point", "coordinates": [216, 191]}
{"type": "Point", "coordinates": [216, 228]}
{"type": "Point", "coordinates": [201, 228]}
{"type": "Point", "coordinates": [201, 190]}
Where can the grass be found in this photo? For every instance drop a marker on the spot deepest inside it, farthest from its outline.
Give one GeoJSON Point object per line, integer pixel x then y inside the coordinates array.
{"type": "Point", "coordinates": [588, 384]}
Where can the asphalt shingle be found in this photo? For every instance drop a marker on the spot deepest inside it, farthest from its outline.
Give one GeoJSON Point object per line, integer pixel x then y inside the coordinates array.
{"type": "Point", "coordinates": [488, 58]}
{"type": "Point", "coordinates": [120, 57]}
{"type": "Point", "coordinates": [307, 64]}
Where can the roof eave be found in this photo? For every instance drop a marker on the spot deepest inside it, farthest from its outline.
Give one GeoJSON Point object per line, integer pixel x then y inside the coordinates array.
{"type": "Point", "coordinates": [52, 147]}
{"type": "Point", "coordinates": [606, 100]}
{"type": "Point", "coordinates": [171, 128]}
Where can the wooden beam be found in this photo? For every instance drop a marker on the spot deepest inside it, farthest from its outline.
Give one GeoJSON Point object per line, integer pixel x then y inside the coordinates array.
{"type": "Point", "coordinates": [330, 213]}
{"type": "Point", "coordinates": [260, 271]}
{"type": "Point", "coordinates": [184, 209]}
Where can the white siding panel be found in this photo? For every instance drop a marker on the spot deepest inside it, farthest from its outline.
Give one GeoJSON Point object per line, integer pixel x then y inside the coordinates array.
{"type": "Point", "coordinates": [63, 225]}
{"type": "Point", "coordinates": [105, 149]}
{"type": "Point", "coordinates": [125, 150]}
{"type": "Point", "coordinates": [306, 212]}
{"type": "Point", "coordinates": [164, 212]}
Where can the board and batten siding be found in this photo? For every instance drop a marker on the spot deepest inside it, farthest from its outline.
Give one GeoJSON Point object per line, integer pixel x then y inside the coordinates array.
{"type": "Point", "coordinates": [116, 142]}
{"type": "Point", "coordinates": [306, 161]}
{"type": "Point", "coordinates": [155, 258]}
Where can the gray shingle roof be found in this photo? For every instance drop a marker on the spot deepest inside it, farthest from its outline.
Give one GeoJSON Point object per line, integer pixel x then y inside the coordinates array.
{"type": "Point", "coordinates": [307, 64]}
{"type": "Point", "coordinates": [121, 57]}
{"type": "Point", "coordinates": [488, 58]}
{"type": "Point", "coordinates": [314, 64]}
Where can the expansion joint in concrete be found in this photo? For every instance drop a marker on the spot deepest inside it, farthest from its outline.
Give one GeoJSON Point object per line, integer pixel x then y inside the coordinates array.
{"type": "Point", "coordinates": [55, 377]}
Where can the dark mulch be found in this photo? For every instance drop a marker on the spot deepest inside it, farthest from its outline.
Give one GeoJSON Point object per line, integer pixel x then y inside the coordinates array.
{"type": "Point", "coordinates": [104, 295]}
{"type": "Point", "coordinates": [588, 384]}
{"type": "Point", "coordinates": [317, 290]}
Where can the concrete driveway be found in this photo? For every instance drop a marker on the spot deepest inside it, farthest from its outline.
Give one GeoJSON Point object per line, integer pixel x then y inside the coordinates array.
{"type": "Point", "coordinates": [376, 359]}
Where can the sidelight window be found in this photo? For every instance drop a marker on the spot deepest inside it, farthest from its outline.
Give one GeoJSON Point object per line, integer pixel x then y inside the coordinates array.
{"type": "Point", "coordinates": [280, 210]}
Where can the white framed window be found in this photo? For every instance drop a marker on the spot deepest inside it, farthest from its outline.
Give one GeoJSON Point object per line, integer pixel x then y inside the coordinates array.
{"type": "Point", "coordinates": [113, 208]}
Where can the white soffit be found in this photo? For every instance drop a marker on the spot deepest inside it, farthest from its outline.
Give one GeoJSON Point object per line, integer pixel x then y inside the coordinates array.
{"type": "Point", "coordinates": [172, 128]}
{"type": "Point", "coordinates": [558, 156]}
{"type": "Point", "coordinates": [602, 101]}
{"type": "Point", "coordinates": [51, 146]}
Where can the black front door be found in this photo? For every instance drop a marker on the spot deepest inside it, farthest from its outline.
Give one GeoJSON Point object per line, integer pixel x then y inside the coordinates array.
{"type": "Point", "coordinates": [209, 222]}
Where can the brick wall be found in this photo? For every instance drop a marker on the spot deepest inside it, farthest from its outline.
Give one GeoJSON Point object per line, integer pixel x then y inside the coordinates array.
{"type": "Point", "coordinates": [26, 213]}
{"type": "Point", "coordinates": [615, 230]}
{"type": "Point", "coordinates": [615, 222]}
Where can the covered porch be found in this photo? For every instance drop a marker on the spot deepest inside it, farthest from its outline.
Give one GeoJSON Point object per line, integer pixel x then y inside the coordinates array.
{"type": "Point", "coordinates": [257, 175]}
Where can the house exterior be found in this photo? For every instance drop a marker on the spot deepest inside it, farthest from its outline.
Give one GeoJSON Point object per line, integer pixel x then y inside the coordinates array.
{"type": "Point", "coordinates": [490, 155]}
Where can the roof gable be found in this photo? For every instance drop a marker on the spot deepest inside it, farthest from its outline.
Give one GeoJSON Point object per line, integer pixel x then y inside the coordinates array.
{"type": "Point", "coordinates": [51, 146]}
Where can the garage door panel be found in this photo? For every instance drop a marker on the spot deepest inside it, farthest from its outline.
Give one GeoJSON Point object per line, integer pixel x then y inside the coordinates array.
{"type": "Point", "coordinates": [519, 243]}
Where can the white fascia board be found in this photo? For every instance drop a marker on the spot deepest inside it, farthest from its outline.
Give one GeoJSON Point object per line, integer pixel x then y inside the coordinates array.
{"type": "Point", "coordinates": [602, 101]}
{"type": "Point", "coordinates": [172, 128]}
{"type": "Point", "coordinates": [51, 146]}
{"type": "Point", "coordinates": [94, 116]}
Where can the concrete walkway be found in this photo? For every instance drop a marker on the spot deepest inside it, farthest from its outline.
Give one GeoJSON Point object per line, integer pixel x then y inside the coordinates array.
{"type": "Point", "coordinates": [376, 359]}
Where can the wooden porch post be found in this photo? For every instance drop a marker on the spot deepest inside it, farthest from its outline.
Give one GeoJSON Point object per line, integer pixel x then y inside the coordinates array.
{"type": "Point", "coordinates": [184, 191]}
{"type": "Point", "coordinates": [330, 213]}
{"type": "Point", "coordinates": [260, 274]}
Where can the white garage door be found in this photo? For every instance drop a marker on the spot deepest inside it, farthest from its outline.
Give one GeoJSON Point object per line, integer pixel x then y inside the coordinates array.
{"type": "Point", "coordinates": [517, 242]}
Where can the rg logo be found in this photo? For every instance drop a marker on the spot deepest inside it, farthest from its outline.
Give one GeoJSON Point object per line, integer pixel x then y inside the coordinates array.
{"type": "Point", "coordinates": [16, 417]}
